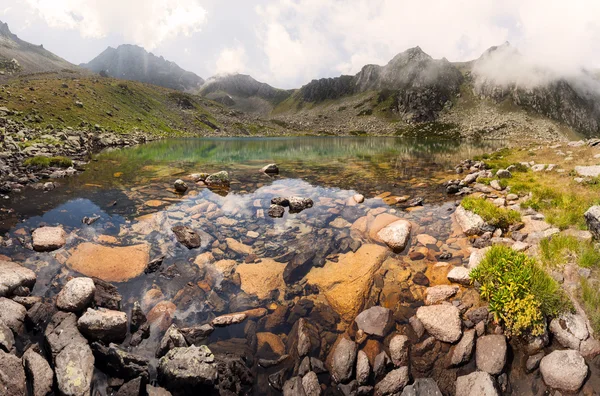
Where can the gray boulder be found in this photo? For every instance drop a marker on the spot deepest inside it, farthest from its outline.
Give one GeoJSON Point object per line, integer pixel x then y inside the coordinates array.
{"type": "Point", "coordinates": [187, 237]}
{"type": "Point", "coordinates": [459, 275]}
{"type": "Point", "coordinates": [343, 359]}
{"type": "Point", "coordinates": [39, 373]}
{"type": "Point", "coordinates": [478, 383]}
{"type": "Point", "coordinates": [13, 315]}
{"type": "Point", "coordinates": [47, 239]}
{"type": "Point", "coordinates": [396, 235]}
{"type": "Point", "coordinates": [437, 294]}
{"type": "Point", "coordinates": [363, 368]}
{"type": "Point", "coordinates": [592, 219]}
{"type": "Point", "coordinates": [187, 369]}
{"type": "Point", "coordinates": [398, 347]}
{"type": "Point", "coordinates": [103, 325]}
{"type": "Point", "coordinates": [490, 353]}
{"type": "Point", "coordinates": [13, 276]}
{"type": "Point", "coordinates": [298, 204]}
{"type": "Point", "coordinates": [310, 383]}
{"type": "Point", "coordinates": [503, 174]}
{"type": "Point", "coordinates": [462, 352]}
{"type": "Point", "coordinates": [76, 295]}
{"type": "Point", "coordinates": [441, 321]}
{"type": "Point", "coordinates": [173, 338]}
{"type": "Point", "coordinates": [62, 332]}
{"type": "Point", "coordinates": [219, 179]}
{"type": "Point", "coordinates": [564, 370]}
{"type": "Point", "coordinates": [469, 222]}
{"type": "Point", "coordinates": [293, 387]}
{"type": "Point", "coordinates": [374, 321]}
{"type": "Point", "coordinates": [74, 367]}
{"type": "Point", "coordinates": [12, 375]}
{"type": "Point", "coordinates": [393, 382]}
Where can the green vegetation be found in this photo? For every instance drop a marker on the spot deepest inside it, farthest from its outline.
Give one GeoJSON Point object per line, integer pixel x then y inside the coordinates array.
{"type": "Point", "coordinates": [487, 180]}
{"type": "Point", "coordinates": [45, 162]}
{"type": "Point", "coordinates": [590, 295]}
{"type": "Point", "coordinates": [559, 249]}
{"type": "Point", "coordinates": [490, 213]}
{"type": "Point", "coordinates": [520, 293]}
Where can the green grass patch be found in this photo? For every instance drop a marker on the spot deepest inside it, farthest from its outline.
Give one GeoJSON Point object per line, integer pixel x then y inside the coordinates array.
{"type": "Point", "coordinates": [590, 295]}
{"type": "Point", "coordinates": [520, 293]}
{"type": "Point", "coordinates": [490, 213]}
{"type": "Point", "coordinates": [45, 162]}
{"type": "Point", "coordinates": [559, 249]}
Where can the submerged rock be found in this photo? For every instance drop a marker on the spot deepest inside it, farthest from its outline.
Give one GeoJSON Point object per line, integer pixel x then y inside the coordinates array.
{"type": "Point", "coordinates": [564, 370]}
{"type": "Point", "coordinates": [13, 276]}
{"type": "Point", "coordinates": [263, 278]}
{"type": "Point", "coordinates": [117, 362]}
{"type": "Point", "coordinates": [187, 237]}
{"type": "Point", "coordinates": [374, 321]}
{"type": "Point", "coordinates": [47, 239]}
{"type": "Point", "coordinates": [76, 295]}
{"type": "Point", "coordinates": [276, 211]}
{"type": "Point", "coordinates": [180, 186]}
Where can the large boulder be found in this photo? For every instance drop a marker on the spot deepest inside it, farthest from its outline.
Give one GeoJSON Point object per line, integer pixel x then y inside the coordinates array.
{"type": "Point", "coordinates": [441, 321]}
{"type": "Point", "coordinates": [13, 315]}
{"type": "Point", "coordinates": [76, 295]}
{"type": "Point", "coordinates": [396, 235]}
{"type": "Point", "coordinates": [469, 222]}
{"type": "Point", "coordinates": [592, 219]}
{"type": "Point", "coordinates": [47, 239]}
{"type": "Point", "coordinates": [478, 383]}
{"type": "Point", "coordinates": [39, 373]}
{"type": "Point", "coordinates": [393, 382]}
{"type": "Point", "coordinates": [103, 325]}
{"type": "Point", "coordinates": [564, 370]}
{"type": "Point", "coordinates": [12, 276]}
{"type": "Point", "coordinates": [187, 369]}
{"type": "Point", "coordinates": [490, 353]}
{"type": "Point", "coordinates": [374, 321]}
{"type": "Point", "coordinates": [343, 358]}
{"type": "Point", "coordinates": [74, 367]}
{"type": "Point", "coordinates": [12, 375]}
{"type": "Point", "coordinates": [569, 330]}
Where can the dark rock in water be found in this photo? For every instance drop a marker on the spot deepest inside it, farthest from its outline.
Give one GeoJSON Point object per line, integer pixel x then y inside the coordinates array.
{"type": "Point", "coordinates": [298, 204]}
{"type": "Point", "coordinates": [74, 369]}
{"type": "Point", "coordinates": [276, 379]}
{"type": "Point", "coordinates": [196, 334]}
{"type": "Point", "coordinates": [271, 168]}
{"type": "Point", "coordinates": [364, 390]}
{"type": "Point", "coordinates": [116, 362]}
{"type": "Point", "coordinates": [266, 363]}
{"type": "Point", "coordinates": [187, 237]}
{"type": "Point", "coordinates": [154, 265]}
{"type": "Point", "coordinates": [342, 362]}
{"type": "Point", "coordinates": [415, 202]}
{"type": "Point", "coordinates": [38, 371]}
{"type": "Point", "coordinates": [188, 370]}
{"type": "Point", "coordinates": [62, 332]}
{"type": "Point", "coordinates": [90, 220]}
{"type": "Point", "coordinates": [235, 378]}
{"type": "Point", "coordinates": [39, 315]}
{"type": "Point", "coordinates": [140, 335]}
{"type": "Point", "coordinates": [180, 186]}
{"type": "Point", "coordinates": [282, 201]}
{"type": "Point", "coordinates": [172, 339]}
{"type": "Point", "coordinates": [137, 317]}
{"type": "Point", "coordinates": [381, 364]}
{"type": "Point", "coordinates": [374, 321]}
{"type": "Point", "coordinates": [12, 375]}
{"type": "Point", "coordinates": [420, 279]}
{"type": "Point", "coordinates": [276, 211]}
{"type": "Point", "coordinates": [303, 339]}
{"type": "Point", "coordinates": [107, 295]}
{"type": "Point", "coordinates": [131, 388]}
{"type": "Point", "coordinates": [452, 189]}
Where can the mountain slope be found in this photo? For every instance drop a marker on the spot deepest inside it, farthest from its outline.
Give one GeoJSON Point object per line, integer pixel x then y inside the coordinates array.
{"type": "Point", "coordinates": [242, 92]}
{"type": "Point", "coordinates": [131, 62]}
{"type": "Point", "coordinates": [20, 57]}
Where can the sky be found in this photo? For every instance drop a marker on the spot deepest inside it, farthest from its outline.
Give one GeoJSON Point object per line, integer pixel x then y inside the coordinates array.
{"type": "Point", "coordinates": [287, 43]}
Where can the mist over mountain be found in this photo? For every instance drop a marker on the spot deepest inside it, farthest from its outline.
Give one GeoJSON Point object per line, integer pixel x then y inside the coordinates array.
{"type": "Point", "coordinates": [131, 62]}
{"type": "Point", "coordinates": [20, 57]}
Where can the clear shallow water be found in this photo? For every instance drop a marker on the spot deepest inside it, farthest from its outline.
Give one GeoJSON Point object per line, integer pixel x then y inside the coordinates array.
{"type": "Point", "coordinates": [131, 190]}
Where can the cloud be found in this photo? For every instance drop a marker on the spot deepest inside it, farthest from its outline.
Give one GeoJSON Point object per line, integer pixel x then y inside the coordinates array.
{"type": "Point", "coordinates": [144, 22]}
{"type": "Point", "coordinates": [231, 60]}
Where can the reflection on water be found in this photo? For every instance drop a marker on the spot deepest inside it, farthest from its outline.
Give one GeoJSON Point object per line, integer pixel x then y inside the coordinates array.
{"type": "Point", "coordinates": [247, 259]}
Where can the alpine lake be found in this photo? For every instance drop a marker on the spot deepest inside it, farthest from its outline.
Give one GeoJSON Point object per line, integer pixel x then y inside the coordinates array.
{"type": "Point", "coordinates": [325, 264]}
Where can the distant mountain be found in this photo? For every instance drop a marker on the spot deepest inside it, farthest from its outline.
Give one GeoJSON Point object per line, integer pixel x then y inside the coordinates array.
{"type": "Point", "coordinates": [131, 62]}
{"type": "Point", "coordinates": [20, 57]}
{"type": "Point", "coordinates": [243, 92]}
{"type": "Point", "coordinates": [419, 85]}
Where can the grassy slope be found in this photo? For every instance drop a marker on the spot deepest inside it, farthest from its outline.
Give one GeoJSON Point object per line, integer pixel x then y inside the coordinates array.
{"type": "Point", "coordinates": [117, 105]}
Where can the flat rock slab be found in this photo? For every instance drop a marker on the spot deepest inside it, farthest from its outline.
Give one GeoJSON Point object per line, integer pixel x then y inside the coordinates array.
{"type": "Point", "coordinates": [588, 171]}
{"type": "Point", "coordinates": [47, 239]}
{"type": "Point", "coordinates": [107, 262]}
{"type": "Point", "coordinates": [262, 278]}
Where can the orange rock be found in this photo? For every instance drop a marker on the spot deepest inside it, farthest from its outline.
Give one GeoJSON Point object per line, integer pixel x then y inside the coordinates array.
{"type": "Point", "coordinates": [161, 315]}
{"type": "Point", "coordinates": [262, 278]}
{"type": "Point", "coordinates": [107, 239]}
{"type": "Point", "coordinates": [271, 341]}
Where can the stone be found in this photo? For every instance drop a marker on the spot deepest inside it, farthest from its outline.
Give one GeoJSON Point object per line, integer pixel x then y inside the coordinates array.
{"type": "Point", "coordinates": [396, 235]}
{"type": "Point", "coordinates": [13, 315]}
{"type": "Point", "coordinates": [564, 370]}
{"type": "Point", "coordinates": [270, 168]}
{"type": "Point", "coordinates": [107, 295]}
{"type": "Point", "coordinates": [137, 317]}
{"type": "Point", "coordinates": [219, 179]}
{"type": "Point", "coordinates": [304, 338]}
{"type": "Point", "coordinates": [12, 375]}
{"type": "Point", "coordinates": [375, 321]}
{"type": "Point", "coordinates": [103, 325]}
{"type": "Point", "coordinates": [461, 353]}
{"type": "Point", "coordinates": [588, 171]}
{"type": "Point", "coordinates": [503, 174]}
{"type": "Point", "coordinates": [347, 282]}
{"type": "Point", "coordinates": [339, 222]}
{"type": "Point", "coordinates": [180, 186]}
{"type": "Point", "coordinates": [161, 314]}
{"type": "Point", "coordinates": [520, 246]}
{"type": "Point", "coordinates": [417, 326]}
{"type": "Point", "coordinates": [186, 369]}
{"type": "Point", "coordinates": [172, 339]}
{"type": "Point", "coordinates": [490, 353]}
{"type": "Point", "coordinates": [117, 362]}
{"type": "Point", "coordinates": [271, 342]}
{"type": "Point", "coordinates": [441, 321]}
{"type": "Point", "coordinates": [39, 373]}
{"type": "Point", "coordinates": [229, 319]}
{"type": "Point", "coordinates": [298, 204]}
{"type": "Point", "coordinates": [533, 361]}
{"type": "Point", "coordinates": [293, 387]}
{"type": "Point", "coordinates": [131, 388]}
{"type": "Point", "coordinates": [62, 332]}
{"type": "Point", "coordinates": [157, 391]}
{"type": "Point", "coordinates": [476, 256]}
{"type": "Point", "coordinates": [47, 239]}
{"type": "Point", "coordinates": [358, 198]}
{"type": "Point", "coordinates": [276, 211]}
{"type": "Point", "coordinates": [437, 294]}
{"type": "Point", "coordinates": [74, 370]}
{"type": "Point", "coordinates": [262, 278]}
{"type": "Point", "coordinates": [469, 222]}
{"type": "Point", "coordinates": [7, 338]}
{"type": "Point", "coordinates": [398, 347]}
{"type": "Point", "coordinates": [459, 275]}
{"type": "Point", "coordinates": [196, 334]}
{"type": "Point", "coordinates": [569, 330]}
{"type": "Point", "coordinates": [238, 247]}
{"type": "Point", "coordinates": [310, 383]}
{"type": "Point", "coordinates": [425, 239]}
{"type": "Point", "coordinates": [393, 382]}
{"type": "Point", "coordinates": [13, 276]}
{"type": "Point", "coordinates": [187, 237]}
{"type": "Point", "coordinates": [343, 359]}
{"type": "Point", "coordinates": [106, 262]}
{"type": "Point", "coordinates": [363, 368]}
{"type": "Point", "coordinates": [590, 348]}
{"type": "Point", "coordinates": [76, 295]}
{"type": "Point", "coordinates": [495, 184]}
{"type": "Point", "coordinates": [422, 387]}
{"type": "Point", "coordinates": [592, 219]}
{"type": "Point", "coordinates": [478, 383]}
{"type": "Point", "coordinates": [512, 197]}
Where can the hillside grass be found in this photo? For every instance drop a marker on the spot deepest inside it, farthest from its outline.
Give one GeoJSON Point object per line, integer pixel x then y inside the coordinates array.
{"type": "Point", "coordinates": [117, 105]}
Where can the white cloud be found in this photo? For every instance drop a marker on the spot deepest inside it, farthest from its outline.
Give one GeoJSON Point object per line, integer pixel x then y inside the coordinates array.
{"type": "Point", "coordinates": [231, 60]}
{"type": "Point", "coordinates": [144, 22]}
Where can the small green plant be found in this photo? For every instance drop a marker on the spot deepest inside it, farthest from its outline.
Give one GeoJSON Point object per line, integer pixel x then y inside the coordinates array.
{"type": "Point", "coordinates": [559, 249]}
{"type": "Point", "coordinates": [591, 301]}
{"type": "Point", "coordinates": [490, 213]}
{"type": "Point", "coordinates": [45, 162]}
{"type": "Point", "coordinates": [519, 292]}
